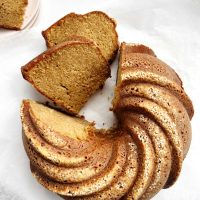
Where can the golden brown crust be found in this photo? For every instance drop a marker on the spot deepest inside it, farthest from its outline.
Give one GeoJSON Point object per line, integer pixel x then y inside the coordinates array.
{"type": "Point", "coordinates": [10, 27]}
{"type": "Point", "coordinates": [103, 166]}
{"type": "Point", "coordinates": [114, 53]}
{"type": "Point", "coordinates": [93, 183]}
{"type": "Point", "coordinates": [144, 61]}
{"type": "Point", "coordinates": [165, 100]}
{"type": "Point", "coordinates": [129, 48]}
{"type": "Point", "coordinates": [25, 69]}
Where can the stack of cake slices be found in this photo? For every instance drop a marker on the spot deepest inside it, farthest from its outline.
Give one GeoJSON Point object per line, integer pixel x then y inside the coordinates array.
{"type": "Point", "coordinates": [77, 63]}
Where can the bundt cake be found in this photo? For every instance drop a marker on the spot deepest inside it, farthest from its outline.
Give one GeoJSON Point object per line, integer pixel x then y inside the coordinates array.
{"type": "Point", "coordinates": [133, 161]}
{"type": "Point", "coordinates": [69, 73]}
{"type": "Point", "coordinates": [96, 26]}
{"type": "Point", "coordinates": [12, 13]}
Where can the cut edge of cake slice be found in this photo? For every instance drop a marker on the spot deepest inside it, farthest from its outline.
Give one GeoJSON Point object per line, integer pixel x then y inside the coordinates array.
{"type": "Point", "coordinates": [43, 72]}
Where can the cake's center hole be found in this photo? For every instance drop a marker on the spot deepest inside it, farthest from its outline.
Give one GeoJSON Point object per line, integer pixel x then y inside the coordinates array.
{"type": "Point", "coordinates": [97, 109]}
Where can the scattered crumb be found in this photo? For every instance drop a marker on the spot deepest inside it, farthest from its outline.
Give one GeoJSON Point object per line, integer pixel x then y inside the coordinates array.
{"type": "Point", "coordinates": [110, 109]}
{"type": "Point", "coordinates": [82, 116]}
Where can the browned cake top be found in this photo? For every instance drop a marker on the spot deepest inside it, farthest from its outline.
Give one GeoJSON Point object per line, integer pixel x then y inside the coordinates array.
{"type": "Point", "coordinates": [148, 86]}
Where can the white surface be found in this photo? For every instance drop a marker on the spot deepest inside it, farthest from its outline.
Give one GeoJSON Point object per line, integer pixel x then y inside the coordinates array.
{"type": "Point", "coordinates": [170, 27]}
{"type": "Point", "coordinates": [31, 14]}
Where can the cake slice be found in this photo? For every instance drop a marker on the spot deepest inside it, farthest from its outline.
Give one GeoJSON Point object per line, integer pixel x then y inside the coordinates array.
{"type": "Point", "coordinates": [96, 26]}
{"type": "Point", "coordinates": [12, 13]}
{"type": "Point", "coordinates": [68, 74]}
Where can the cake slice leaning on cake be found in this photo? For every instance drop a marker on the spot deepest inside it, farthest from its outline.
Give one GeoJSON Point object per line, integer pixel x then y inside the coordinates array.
{"type": "Point", "coordinates": [12, 13]}
{"type": "Point", "coordinates": [69, 73]}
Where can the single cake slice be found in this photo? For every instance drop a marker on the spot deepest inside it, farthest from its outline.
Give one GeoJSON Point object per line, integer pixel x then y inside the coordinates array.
{"type": "Point", "coordinates": [68, 74]}
{"type": "Point", "coordinates": [12, 13]}
{"type": "Point", "coordinates": [96, 26]}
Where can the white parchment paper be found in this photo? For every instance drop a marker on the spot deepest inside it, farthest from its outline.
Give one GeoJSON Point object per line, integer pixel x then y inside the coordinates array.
{"type": "Point", "coordinates": [170, 27]}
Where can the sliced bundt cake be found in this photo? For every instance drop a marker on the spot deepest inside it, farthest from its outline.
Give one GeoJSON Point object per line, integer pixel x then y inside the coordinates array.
{"type": "Point", "coordinates": [134, 161]}
{"type": "Point", "coordinates": [69, 73]}
{"type": "Point", "coordinates": [12, 13]}
{"type": "Point", "coordinates": [96, 26]}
